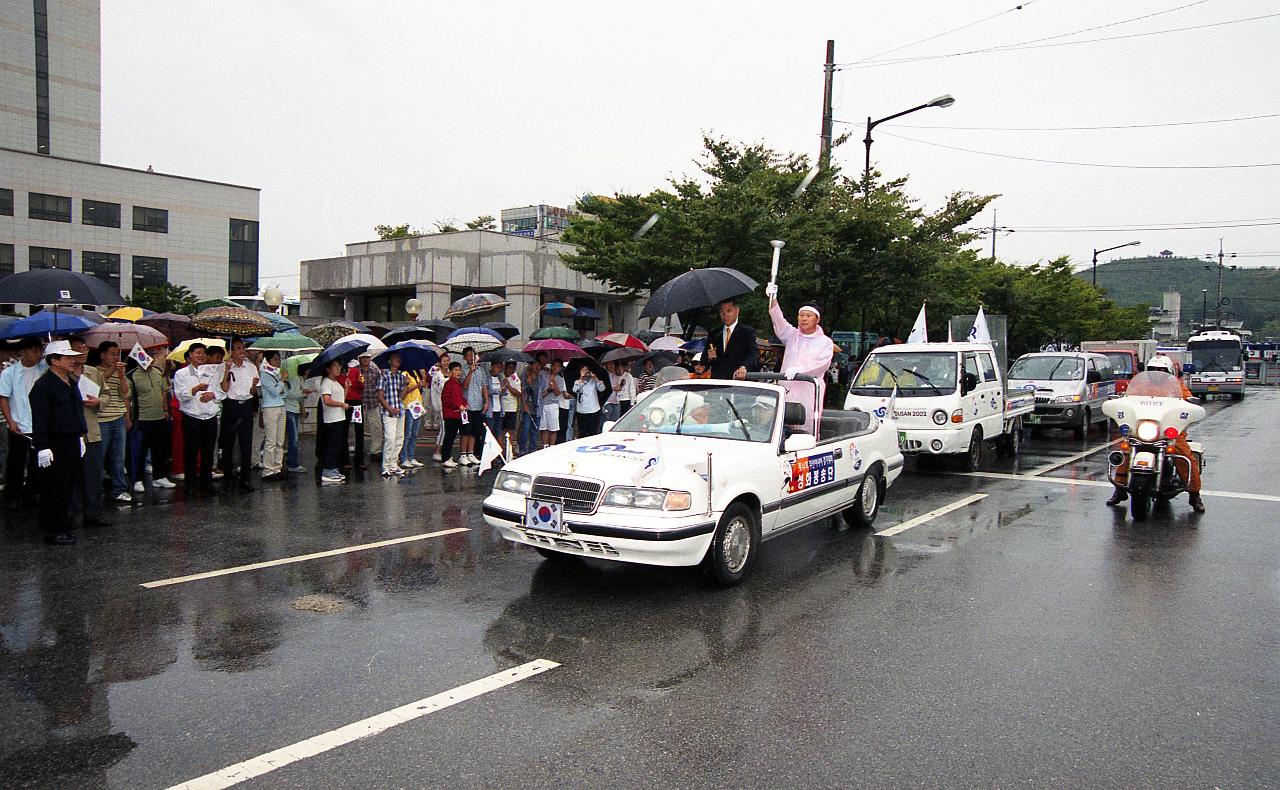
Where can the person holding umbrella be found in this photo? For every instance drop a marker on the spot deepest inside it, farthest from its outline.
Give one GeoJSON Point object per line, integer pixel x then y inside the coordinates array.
{"type": "Point", "coordinates": [113, 419]}
{"type": "Point", "coordinates": [240, 383]}
{"type": "Point", "coordinates": [57, 436]}
{"type": "Point", "coordinates": [272, 389]}
{"type": "Point", "coordinates": [15, 388]}
{"type": "Point", "coordinates": [149, 409]}
{"type": "Point", "coordinates": [731, 349]}
{"type": "Point", "coordinates": [391, 391]}
{"type": "Point", "coordinates": [333, 415]}
{"type": "Point", "coordinates": [198, 400]}
{"type": "Point", "coordinates": [295, 411]}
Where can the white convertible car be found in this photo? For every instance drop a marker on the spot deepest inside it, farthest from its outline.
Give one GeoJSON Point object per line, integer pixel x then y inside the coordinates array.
{"type": "Point", "coordinates": [698, 472]}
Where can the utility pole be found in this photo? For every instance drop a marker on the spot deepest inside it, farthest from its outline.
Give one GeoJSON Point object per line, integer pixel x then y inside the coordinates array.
{"type": "Point", "coordinates": [824, 151]}
{"type": "Point", "coordinates": [1221, 256]}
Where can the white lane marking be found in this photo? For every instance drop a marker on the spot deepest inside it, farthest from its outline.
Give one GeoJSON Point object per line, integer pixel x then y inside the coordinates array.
{"type": "Point", "coordinates": [931, 515]}
{"type": "Point", "coordinates": [266, 763]}
{"type": "Point", "coordinates": [300, 558]}
{"type": "Point", "coordinates": [1069, 459]}
{"type": "Point", "coordinates": [1067, 481]}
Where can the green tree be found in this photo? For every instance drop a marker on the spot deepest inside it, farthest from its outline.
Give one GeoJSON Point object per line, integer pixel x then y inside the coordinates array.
{"type": "Point", "coordinates": [167, 298]}
{"type": "Point", "coordinates": [446, 226]}
{"type": "Point", "coordinates": [483, 222]}
{"type": "Point", "coordinates": [395, 231]}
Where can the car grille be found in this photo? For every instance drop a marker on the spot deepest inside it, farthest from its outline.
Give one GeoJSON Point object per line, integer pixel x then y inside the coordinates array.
{"type": "Point", "coordinates": [584, 546]}
{"type": "Point", "coordinates": [1040, 399]}
{"type": "Point", "coordinates": [577, 496]}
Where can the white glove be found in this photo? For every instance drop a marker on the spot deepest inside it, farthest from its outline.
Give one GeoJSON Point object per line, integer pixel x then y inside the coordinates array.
{"type": "Point", "coordinates": [44, 458]}
{"type": "Point", "coordinates": [771, 290]}
{"type": "Point", "coordinates": [82, 448]}
{"type": "Point", "coordinates": [792, 372]}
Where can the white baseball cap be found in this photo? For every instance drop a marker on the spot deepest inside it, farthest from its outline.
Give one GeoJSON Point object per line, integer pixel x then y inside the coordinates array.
{"type": "Point", "coordinates": [61, 348]}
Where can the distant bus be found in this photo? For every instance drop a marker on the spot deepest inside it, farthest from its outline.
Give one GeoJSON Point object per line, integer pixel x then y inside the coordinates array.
{"type": "Point", "coordinates": [1217, 358]}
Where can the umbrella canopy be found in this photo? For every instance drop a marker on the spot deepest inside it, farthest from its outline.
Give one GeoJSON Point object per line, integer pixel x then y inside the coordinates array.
{"type": "Point", "coordinates": [7, 321]}
{"type": "Point", "coordinates": [374, 328]}
{"type": "Point", "coordinates": [327, 334]}
{"type": "Point", "coordinates": [57, 286]}
{"type": "Point", "coordinates": [554, 333]}
{"type": "Point", "coordinates": [481, 341]}
{"type": "Point", "coordinates": [695, 289]}
{"type": "Point", "coordinates": [125, 336]}
{"type": "Point", "coordinates": [588, 313]}
{"type": "Point", "coordinates": [219, 302]}
{"type": "Point", "coordinates": [292, 363]}
{"type": "Point", "coordinates": [129, 314]}
{"type": "Point", "coordinates": [374, 344]}
{"type": "Point", "coordinates": [648, 335]}
{"type": "Point", "coordinates": [441, 326]}
{"type": "Point", "coordinates": [88, 315]}
{"type": "Point", "coordinates": [700, 344]}
{"type": "Point", "coordinates": [290, 341]}
{"type": "Point", "coordinates": [172, 325]}
{"type": "Point", "coordinates": [471, 330]}
{"type": "Point", "coordinates": [414, 355]}
{"type": "Point", "coordinates": [661, 359]}
{"type": "Point", "coordinates": [505, 355]}
{"type": "Point", "coordinates": [231, 321]}
{"type": "Point", "coordinates": [278, 322]}
{"type": "Point", "coordinates": [408, 333]}
{"type": "Point", "coordinates": [622, 354]}
{"type": "Point", "coordinates": [573, 371]}
{"type": "Point", "coordinates": [622, 340]}
{"type": "Point", "coordinates": [562, 350]}
{"type": "Point", "coordinates": [179, 352]}
{"type": "Point", "coordinates": [343, 351]}
{"type": "Point", "coordinates": [507, 331]}
{"type": "Point", "coordinates": [666, 343]}
{"type": "Point", "coordinates": [559, 309]}
{"type": "Point", "coordinates": [49, 322]}
{"type": "Point", "coordinates": [475, 304]}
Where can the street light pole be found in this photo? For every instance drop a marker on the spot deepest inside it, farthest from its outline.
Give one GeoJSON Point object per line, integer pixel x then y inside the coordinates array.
{"type": "Point", "coordinates": [945, 100]}
{"type": "Point", "coordinates": [1204, 307]}
{"type": "Point", "coordinates": [1108, 249]}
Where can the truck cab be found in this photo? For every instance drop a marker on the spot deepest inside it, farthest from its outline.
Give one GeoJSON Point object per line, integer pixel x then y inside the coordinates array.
{"type": "Point", "coordinates": [1069, 387]}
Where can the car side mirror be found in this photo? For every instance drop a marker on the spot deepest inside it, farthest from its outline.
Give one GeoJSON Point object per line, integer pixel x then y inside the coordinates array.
{"type": "Point", "coordinates": [1195, 400]}
{"type": "Point", "coordinates": [799, 442]}
{"type": "Point", "coordinates": [968, 383]}
{"type": "Point", "coordinates": [608, 425]}
{"type": "Point", "coordinates": [1092, 377]}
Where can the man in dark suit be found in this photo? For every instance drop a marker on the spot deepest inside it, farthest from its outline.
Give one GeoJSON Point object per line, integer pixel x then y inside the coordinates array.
{"type": "Point", "coordinates": [732, 347]}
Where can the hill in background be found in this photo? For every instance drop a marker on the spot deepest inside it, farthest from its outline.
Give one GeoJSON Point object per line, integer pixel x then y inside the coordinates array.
{"type": "Point", "coordinates": [1254, 292]}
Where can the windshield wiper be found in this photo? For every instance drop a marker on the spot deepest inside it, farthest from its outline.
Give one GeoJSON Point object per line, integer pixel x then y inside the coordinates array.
{"type": "Point", "coordinates": [925, 379]}
{"type": "Point", "coordinates": [741, 422]}
{"type": "Point", "coordinates": [1213, 361]}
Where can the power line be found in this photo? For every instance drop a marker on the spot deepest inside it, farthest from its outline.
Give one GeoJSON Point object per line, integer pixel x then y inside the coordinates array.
{"type": "Point", "coordinates": [1083, 164]}
{"type": "Point", "coordinates": [1074, 128]}
{"type": "Point", "coordinates": [1018, 7]}
{"type": "Point", "coordinates": [1019, 47]}
{"type": "Point", "coordinates": [1137, 226]}
{"type": "Point", "coordinates": [1105, 229]}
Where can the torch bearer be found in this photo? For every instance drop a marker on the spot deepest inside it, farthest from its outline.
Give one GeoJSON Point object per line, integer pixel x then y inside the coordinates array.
{"type": "Point", "coordinates": [777, 245]}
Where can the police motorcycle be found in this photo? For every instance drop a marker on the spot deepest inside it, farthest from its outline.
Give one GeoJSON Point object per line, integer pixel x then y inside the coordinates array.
{"type": "Point", "coordinates": [1151, 416]}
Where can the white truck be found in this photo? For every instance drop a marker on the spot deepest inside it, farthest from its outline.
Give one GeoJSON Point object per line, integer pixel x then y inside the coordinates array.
{"type": "Point", "coordinates": [951, 399]}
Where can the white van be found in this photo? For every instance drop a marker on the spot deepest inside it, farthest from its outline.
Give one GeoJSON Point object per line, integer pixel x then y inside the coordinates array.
{"type": "Point", "coordinates": [1069, 386]}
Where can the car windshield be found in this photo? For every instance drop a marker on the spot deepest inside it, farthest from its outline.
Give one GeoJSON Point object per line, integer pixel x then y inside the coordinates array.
{"type": "Point", "coordinates": [717, 411]}
{"type": "Point", "coordinates": [1220, 356]}
{"type": "Point", "coordinates": [1121, 361]}
{"type": "Point", "coordinates": [915, 374]}
{"type": "Point", "coordinates": [1155, 384]}
{"type": "Point", "coordinates": [1047, 369]}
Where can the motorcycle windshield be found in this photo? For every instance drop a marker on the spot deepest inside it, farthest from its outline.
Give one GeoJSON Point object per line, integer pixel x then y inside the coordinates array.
{"type": "Point", "coordinates": [1155, 384]}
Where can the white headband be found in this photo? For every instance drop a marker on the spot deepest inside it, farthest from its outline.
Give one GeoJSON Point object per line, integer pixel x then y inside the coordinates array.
{"type": "Point", "coordinates": [811, 309]}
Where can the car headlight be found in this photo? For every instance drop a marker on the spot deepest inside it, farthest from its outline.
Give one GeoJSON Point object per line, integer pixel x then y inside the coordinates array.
{"type": "Point", "coordinates": [514, 483]}
{"type": "Point", "coordinates": [939, 417]}
{"type": "Point", "coordinates": [1067, 399]}
{"type": "Point", "coordinates": [1148, 430]}
{"type": "Point", "coordinates": [648, 498]}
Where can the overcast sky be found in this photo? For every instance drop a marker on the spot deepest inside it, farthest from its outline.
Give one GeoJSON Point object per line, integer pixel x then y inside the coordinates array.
{"type": "Point", "coordinates": [348, 114]}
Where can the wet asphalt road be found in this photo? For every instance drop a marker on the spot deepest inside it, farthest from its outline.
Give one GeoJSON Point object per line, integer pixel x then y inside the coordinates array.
{"type": "Point", "coordinates": [1033, 638]}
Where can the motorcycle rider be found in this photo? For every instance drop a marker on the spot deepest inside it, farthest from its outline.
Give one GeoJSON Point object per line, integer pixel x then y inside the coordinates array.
{"type": "Point", "coordinates": [1179, 447]}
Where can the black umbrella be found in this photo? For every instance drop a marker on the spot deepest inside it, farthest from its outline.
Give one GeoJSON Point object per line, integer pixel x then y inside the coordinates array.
{"type": "Point", "coordinates": [696, 289]}
{"type": "Point", "coordinates": [56, 286]}
{"type": "Point", "coordinates": [507, 331]}
{"type": "Point", "coordinates": [441, 326]}
{"type": "Point", "coordinates": [341, 351]}
{"type": "Point", "coordinates": [505, 355]}
{"type": "Point", "coordinates": [647, 336]}
{"type": "Point", "coordinates": [661, 359]}
{"type": "Point", "coordinates": [574, 369]}
{"type": "Point", "coordinates": [408, 333]}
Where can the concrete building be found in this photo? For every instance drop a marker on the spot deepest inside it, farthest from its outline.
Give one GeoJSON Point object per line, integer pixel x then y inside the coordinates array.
{"type": "Point", "coordinates": [1166, 320]}
{"type": "Point", "coordinates": [60, 207]}
{"type": "Point", "coordinates": [375, 279]}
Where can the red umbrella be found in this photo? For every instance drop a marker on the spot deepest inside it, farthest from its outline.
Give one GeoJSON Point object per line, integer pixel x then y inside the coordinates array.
{"type": "Point", "coordinates": [622, 340]}
{"type": "Point", "coordinates": [562, 350]}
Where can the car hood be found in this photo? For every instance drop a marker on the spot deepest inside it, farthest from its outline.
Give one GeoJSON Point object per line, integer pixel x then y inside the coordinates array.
{"type": "Point", "coordinates": [642, 459]}
{"type": "Point", "coordinates": [1045, 386]}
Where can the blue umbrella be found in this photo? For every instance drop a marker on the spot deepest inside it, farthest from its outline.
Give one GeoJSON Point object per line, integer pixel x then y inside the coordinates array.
{"type": "Point", "coordinates": [698, 345]}
{"type": "Point", "coordinates": [587, 312]}
{"type": "Point", "coordinates": [471, 330]}
{"type": "Point", "coordinates": [559, 309]}
{"type": "Point", "coordinates": [342, 351]}
{"type": "Point", "coordinates": [7, 321]}
{"type": "Point", "coordinates": [414, 355]}
{"type": "Point", "coordinates": [278, 322]}
{"type": "Point", "coordinates": [49, 322]}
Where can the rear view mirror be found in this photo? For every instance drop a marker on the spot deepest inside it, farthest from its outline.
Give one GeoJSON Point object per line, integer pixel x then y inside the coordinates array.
{"type": "Point", "coordinates": [799, 442]}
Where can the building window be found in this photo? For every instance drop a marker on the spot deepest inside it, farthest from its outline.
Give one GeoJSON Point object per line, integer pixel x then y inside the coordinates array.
{"type": "Point", "coordinates": [42, 75]}
{"type": "Point", "coordinates": [6, 259]}
{"type": "Point", "coordinates": [103, 265]}
{"type": "Point", "coordinates": [53, 208]}
{"type": "Point", "coordinates": [149, 272]}
{"type": "Point", "coordinates": [6, 202]}
{"type": "Point", "coordinates": [385, 305]}
{"type": "Point", "coordinates": [95, 212]}
{"type": "Point", "coordinates": [49, 258]}
{"type": "Point", "coordinates": [242, 258]}
{"type": "Point", "coordinates": [152, 220]}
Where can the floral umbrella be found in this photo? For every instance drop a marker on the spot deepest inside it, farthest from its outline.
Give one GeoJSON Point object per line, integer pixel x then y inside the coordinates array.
{"type": "Point", "coordinates": [622, 340]}
{"type": "Point", "coordinates": [125, 336]}
{"type": "Point", "coordinates": [475, 304]}
{"type": "Point", "coordinates": [232, 321]}
{"type": "Point", "coordinates": [554, 333]}
{"type": "Point", "coordinates": [554, 349]}
{"type": "Point", "coordinates": [327, 334]}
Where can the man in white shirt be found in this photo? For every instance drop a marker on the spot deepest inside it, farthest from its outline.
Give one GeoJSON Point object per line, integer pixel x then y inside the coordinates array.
{"type": "Point", "coordinates": [199, 396]}
{"type": "Point", "coordinates": [239, 382]}
{"type": "Point", "coordinates": [588, 388]}
{"type": "Point", "coordinates": [439, 375]}
{"type": "Point", "coordinates": [15, 390]}
{"type": "Point", "coordinates": [510, 399]}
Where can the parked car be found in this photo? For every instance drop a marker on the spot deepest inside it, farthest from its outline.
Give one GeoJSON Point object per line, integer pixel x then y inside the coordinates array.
{"type": "Point", "coordinates": [1069, 386]}
{"type": "Point", "coordinates": [698, 472]}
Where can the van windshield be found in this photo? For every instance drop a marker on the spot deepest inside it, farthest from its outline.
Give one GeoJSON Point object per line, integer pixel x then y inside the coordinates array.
{"type": "Point", "coordinates": [918, 374]}
{"type": "Point", "coordinates": [1047, 369]}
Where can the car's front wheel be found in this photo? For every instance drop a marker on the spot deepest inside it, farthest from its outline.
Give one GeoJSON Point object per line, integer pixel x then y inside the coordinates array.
{"type": "Point", "coordinates": [733, 548]}
{"type": "Point", "coordinates": [862, 513]}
